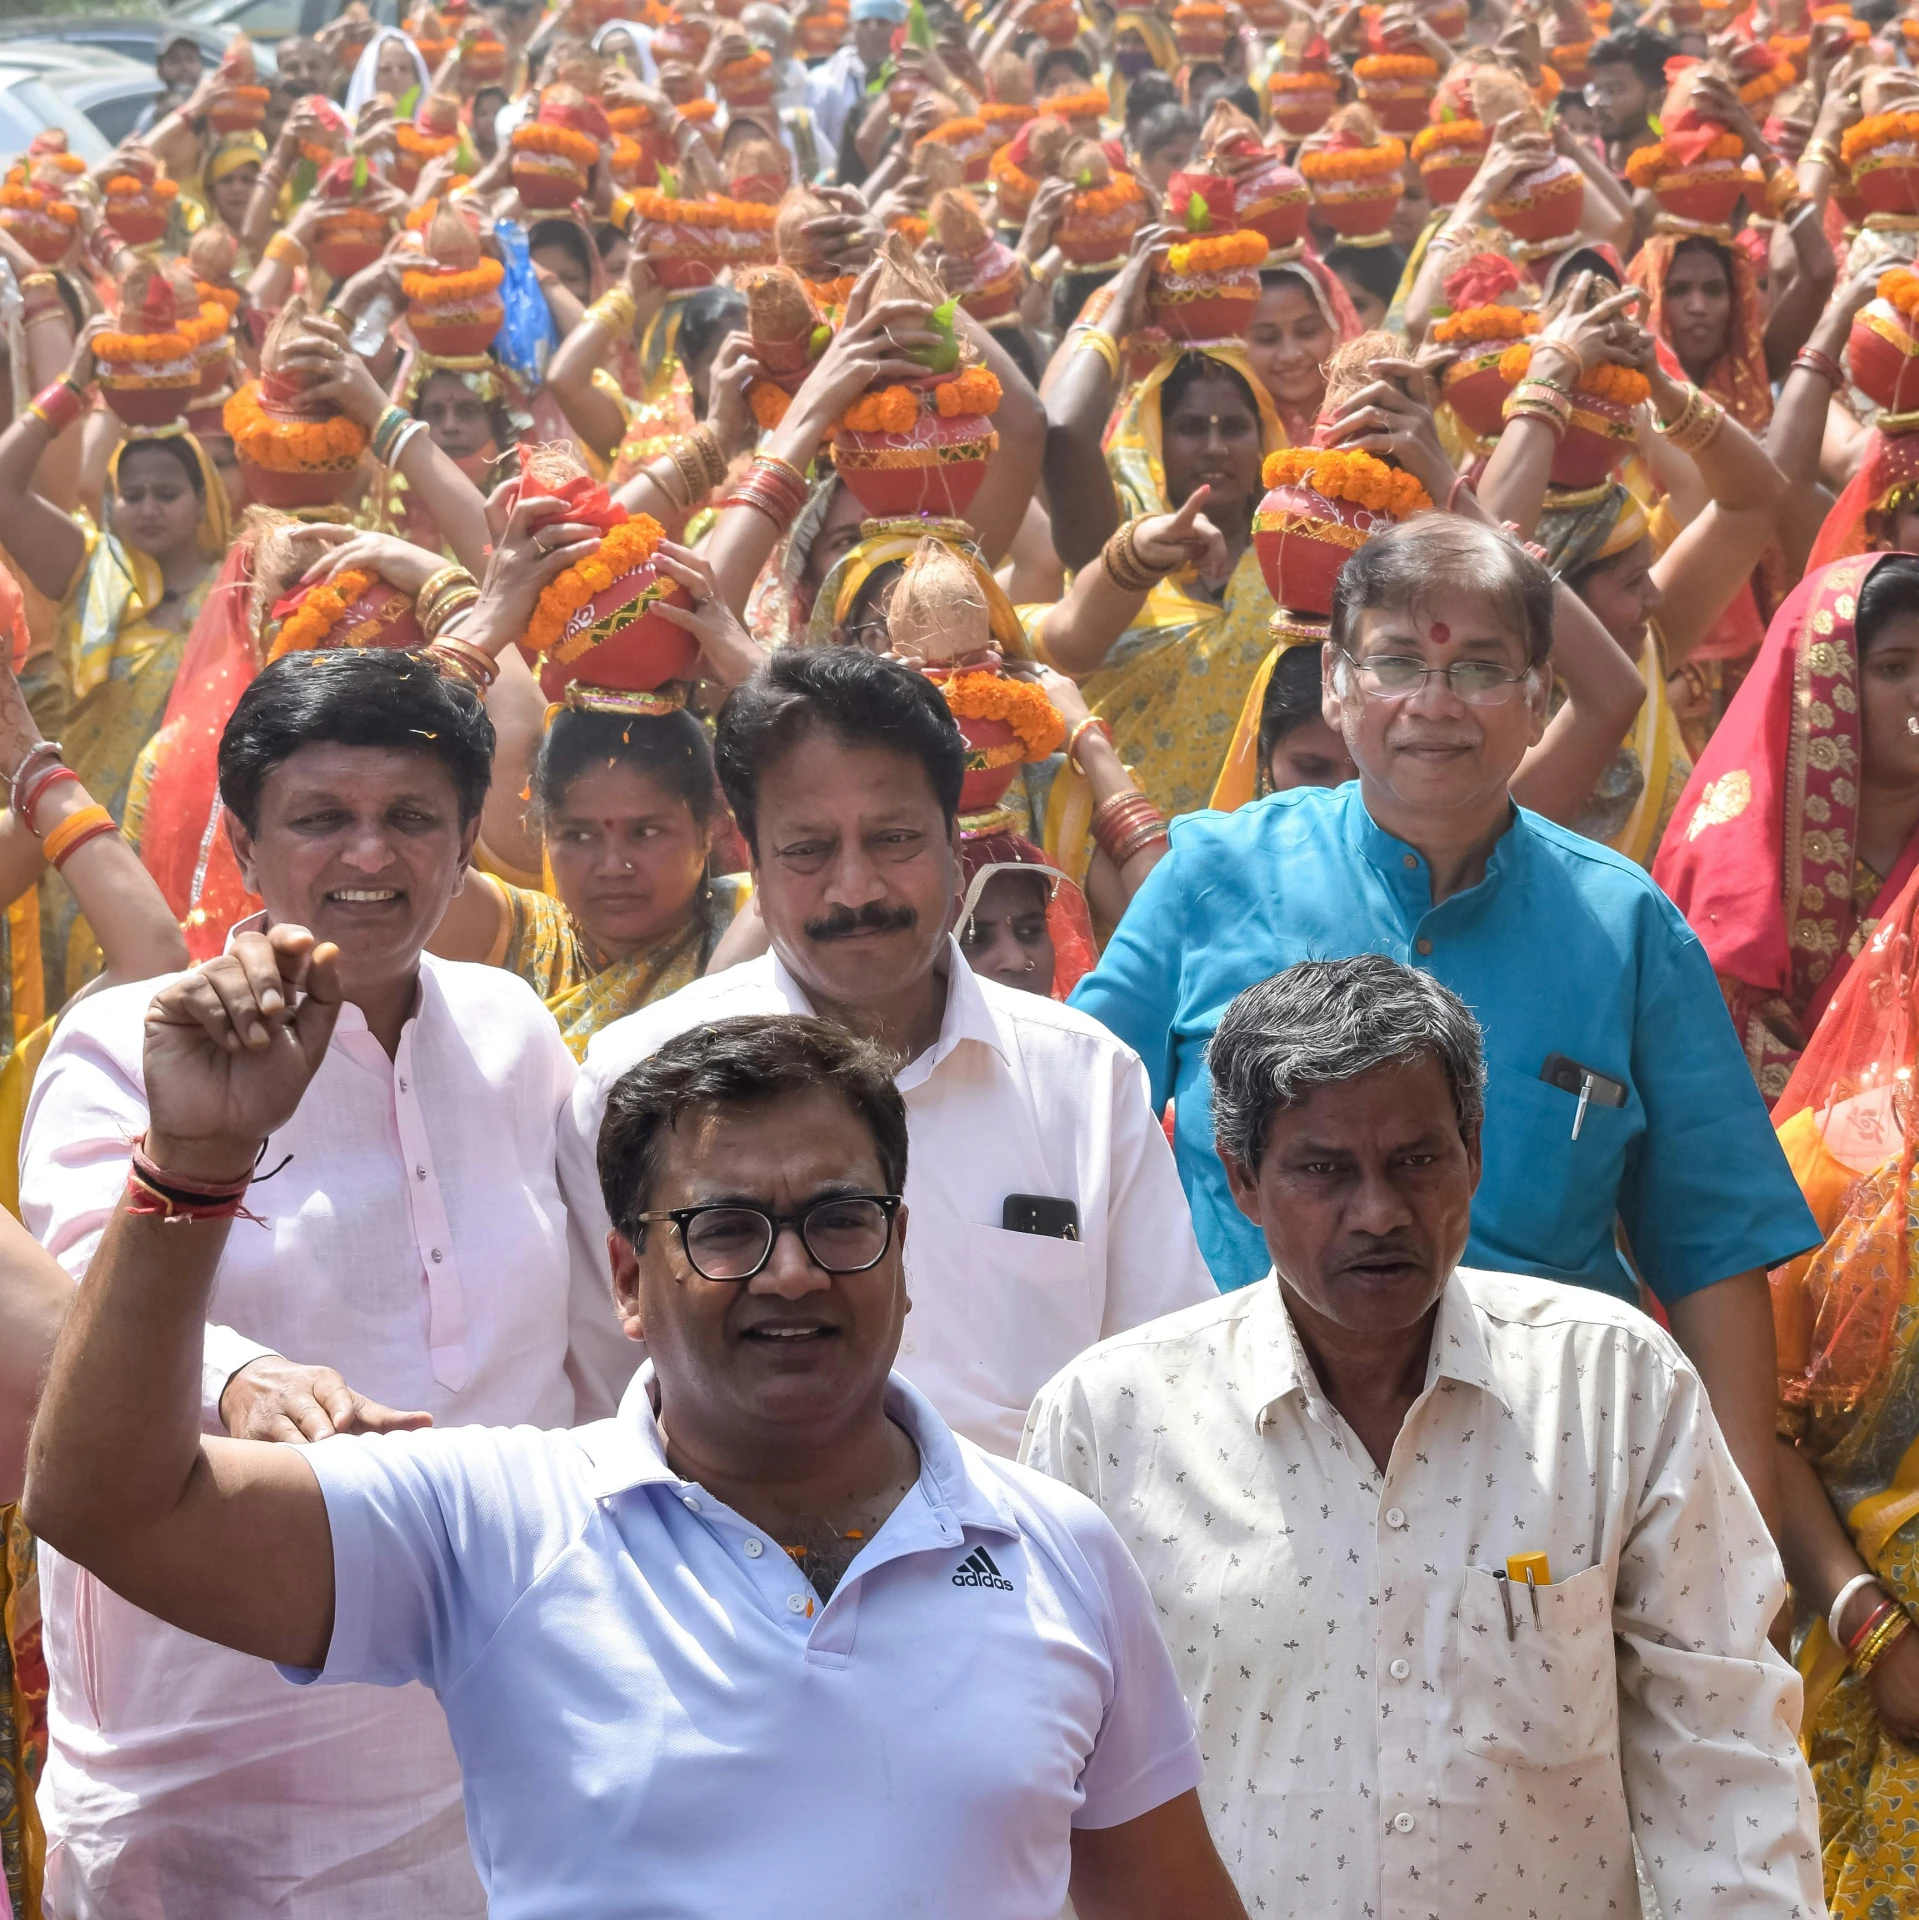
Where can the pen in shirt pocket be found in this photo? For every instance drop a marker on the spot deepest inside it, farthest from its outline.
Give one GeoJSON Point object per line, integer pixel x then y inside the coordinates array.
{"type": "Point", "coordinates": [1587, 1082]}
{"type": "Point", "coordinates": [1536, 1570]}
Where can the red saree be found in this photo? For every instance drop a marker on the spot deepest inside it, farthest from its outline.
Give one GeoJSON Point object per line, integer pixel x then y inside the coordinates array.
{"type": "Point", "coordinates": [1759, 855]}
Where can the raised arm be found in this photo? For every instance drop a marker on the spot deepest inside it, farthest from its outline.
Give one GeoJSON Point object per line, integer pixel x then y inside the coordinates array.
{"type": "Point", "coordinates": [45, 543]}
{"type": "Point", "coordinates": [612, 320]}
{"type": "Point", "coordinates": [224, 1538]}
{"type": "Point", "coordinates": [869, 348]}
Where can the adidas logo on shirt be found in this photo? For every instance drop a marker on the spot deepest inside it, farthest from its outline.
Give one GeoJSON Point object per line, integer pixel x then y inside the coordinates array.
{"type": "Point", "coordinates": [978, 1570]}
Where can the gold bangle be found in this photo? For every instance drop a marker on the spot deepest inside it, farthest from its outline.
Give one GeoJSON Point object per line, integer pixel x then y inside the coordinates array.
{"type": "Point", "coordinates": [667, 468]}
{"type": "Point", "coordinates": [1821, 153]}
{"type": "Point", "coordinates": [449, 607]}
{"type": "Point", "coordinates": [1875, 1649]}
{"type": "Point", "coordinates": [692, 468]}
{"type": "Point", "coordinates": [1124, 567]}
{"type": "Point", "coordinates": [615, 311]}
{"type": "Point", "coordinates": [785, 466]}
{"type": "Point", "coordinates": [1097, 340]}
{"type": "Point", "coordinates": [706, 443]}
{"type": "Point", "coordinates": [465, 662]}
{"type": "Point", "coordinates": [436, 585]}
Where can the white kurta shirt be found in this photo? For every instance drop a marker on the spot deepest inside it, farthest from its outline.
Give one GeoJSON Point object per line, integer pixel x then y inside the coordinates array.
{"type": "Point", "coordinates": [1019, 1095]}
{"type": "Point", "coordinates": [416, 1242]}
{"type": "Point", "coordinates": [1378, 1746]}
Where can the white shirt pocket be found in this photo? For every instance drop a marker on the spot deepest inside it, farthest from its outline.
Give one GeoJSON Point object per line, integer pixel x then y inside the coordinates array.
{"type": "Point", "coordinates": [1548, 1695]}
{"type": "Point", "coordinates": [1029, 1306]}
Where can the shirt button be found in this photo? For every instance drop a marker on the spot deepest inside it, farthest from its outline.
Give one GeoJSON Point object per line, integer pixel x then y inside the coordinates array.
{"type": "Point", "coordinates": [1412, 860]}
{"type": "Point", "coordinates": [1422, 946]}
{"type": "Point", "coordinates": [691, 1505]}
{"type": "Point", "coordinates": [403, 1084]}
{"type": "Point", "coordinates": [796, 1603]}
{"type": "Point", "coordinates": [754, 1549]}
{"type": "Point", "coordinates": [1399, 1669]}
{"type": "Point", "coordinates": [436, 1256]}
{"type": "Point", "coordinates": [1403, 1823]}
{"type": "Point", "coordinates": [1396, 1518]}
{"type": "Point", "coordinates": [419, 1173]}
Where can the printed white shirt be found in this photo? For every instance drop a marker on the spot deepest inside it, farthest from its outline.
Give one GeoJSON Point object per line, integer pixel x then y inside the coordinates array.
{"type": "Point", "coordinates": [1379, 1744]}
{"type": "Point", "coordinates": [1019, 1095]}
{"type": "Point", "coordinates": [415, 1241]}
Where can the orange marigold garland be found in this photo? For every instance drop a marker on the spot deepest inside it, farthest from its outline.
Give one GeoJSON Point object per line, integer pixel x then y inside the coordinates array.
{"type": "Point", "coordinates": [1217, 253]}
{"type": "Point", "coordinates": [288, 446]}
{"type": "Point", "coordinates": [626, 548]}
{"type": "Point", "coordinates": [1485, 323]}
{"type": "Point", "coordinates": [1395, 66]}
{"type": "Point", "coordinates": [451, 289]}
{"type": "Point", "coordinates": [1355, 163]}
{"type": "Point", "coordinates": [1339, 473]}
{"type": "Point", "coordinates": [319, 612]}
{"type": "Point", "coordinates": [563, 141]}
{"type": "Point", "coordinates": [1623, 386]}
{"type": "Point", "coordinates": [1021, 705]}
{"type": "Point", "coordinates": [1649, 165]}
{"type": "Point", "coordinates": [1448, 134]}
{"type": "Point", "coordinates": [1900, 286]}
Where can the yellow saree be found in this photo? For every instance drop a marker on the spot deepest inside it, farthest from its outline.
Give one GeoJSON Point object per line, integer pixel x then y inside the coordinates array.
{"type": "Point", "coordinates": [541, 942]}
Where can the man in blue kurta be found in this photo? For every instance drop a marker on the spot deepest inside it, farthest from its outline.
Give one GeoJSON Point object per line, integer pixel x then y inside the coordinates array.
{"type": "Point", "coordinates": [1619, 1107]}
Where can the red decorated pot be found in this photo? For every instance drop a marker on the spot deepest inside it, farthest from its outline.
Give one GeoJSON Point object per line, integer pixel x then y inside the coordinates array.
{"type": "Point", "coordinates": [935, 468]}
{"type": "Point", "coordinates": [1090, 237]}
{"type": "Point", "coordinates": [1475, 388]}
{"type": "Point", "coordinates": [455, 332]}
{"type": "Point", "coordinates": [684, 256]}
{"type": "Point", "coordinates": [617, 642]}
{"type": "Point", "coordinates": [549, 182]}
{"type": "Point", "coordinates": [994, 281]}
{"type": "Point", "coordinates": [347, 242]}
{"type": "Point", "coordinates": [1303, 110]}
{"type": "Point", "coordinates": [1400, 103]}
{"type": "Point", "coordinates": [1544, 206]}
{"type": "Point", "coordinates": [1355, 208]}
{"type": "Point", "coordinates": [1598, 438]}
{"type": "Point", "coordinates": [216, 368]}
{"type": "Point", "coordinates": [138, 222]}
{"type": "Point", "coordinates": [994, 754]}
{"type": "Point", "coordinates": [483, 62]}
{"type": "Point", "coordinates": [1203, 306]}
{"type": "Point", "coordinates": [1303, 540]}
{"type": "Point", "coordinates": [1886, 178]}
{"type": "Point", "coordinates": [1883, 355]}
{"type": "Point", "coordinates": [140, 402]}
{"type": "Point", "coordinates": [1705, 194]}
{"type": "Point", "coordinates": [379, 615]}
{"type": "Point", "coordinates": [238, 109]}
{"type": "Point", "coordinates": [310, 487]}
{"type": "Point", "coordinates": [1448, 170]}
{"type": "Point", "coordinates": [1448, 19]}
{"type": "Point", "coordinates": [46, 238]}
{"type": "Point", "coordinates": [1273, 203]}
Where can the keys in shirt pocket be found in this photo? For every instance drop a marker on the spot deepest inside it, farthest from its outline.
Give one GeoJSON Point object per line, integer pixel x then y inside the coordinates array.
{"type": "Point", "coordinates": [1547, 1696]}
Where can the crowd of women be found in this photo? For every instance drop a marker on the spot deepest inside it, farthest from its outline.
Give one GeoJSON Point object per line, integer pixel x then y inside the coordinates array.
{"type": "Point", "coordinates": [1067, 354]}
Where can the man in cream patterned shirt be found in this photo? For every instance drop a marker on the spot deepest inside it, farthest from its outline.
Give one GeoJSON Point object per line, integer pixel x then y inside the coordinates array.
{"type": "Point", "coordinates": [1325, 1476]}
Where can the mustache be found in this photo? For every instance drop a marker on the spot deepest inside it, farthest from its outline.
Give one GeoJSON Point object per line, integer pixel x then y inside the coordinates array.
{"type": "Point", "coordinates": [875, 917]}
{"type": "Point", "coordinates": [1365, 1251]}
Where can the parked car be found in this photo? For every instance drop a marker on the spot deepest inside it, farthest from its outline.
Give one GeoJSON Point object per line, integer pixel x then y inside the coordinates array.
{"type": "Point", "coordinates": [94, 95]}
{"type": "Point", "coordinates": [133, 36]}
{"type": "Point", "coordinates": [266, 21]}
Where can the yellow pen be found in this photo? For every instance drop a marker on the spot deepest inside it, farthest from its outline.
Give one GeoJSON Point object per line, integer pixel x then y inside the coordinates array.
{"type": "Point", "coordinates": [1533, 1568]}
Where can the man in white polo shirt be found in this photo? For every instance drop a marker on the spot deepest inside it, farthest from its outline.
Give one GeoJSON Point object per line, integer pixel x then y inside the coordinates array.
{"type": "Point", "coordinates": [1050, 1212]}
{"type": "Point", "coordinates": [771, 1641]}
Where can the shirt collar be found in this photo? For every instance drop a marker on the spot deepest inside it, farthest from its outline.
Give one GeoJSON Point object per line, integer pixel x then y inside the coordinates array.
{"type": "Point", "coordinates": [1280, 1366]}
{"type": "Point", "coordinates": [1389, 855]}
{"type": "Point", "coordinates": [629, 1452]}
{"type": "Point", "coordinates": [968, 1015]}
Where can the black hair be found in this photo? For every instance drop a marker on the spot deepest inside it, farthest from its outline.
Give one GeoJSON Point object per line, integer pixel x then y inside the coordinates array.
{"type": "Point", "coordinates": [1237, 94]}
{"type": "Point", "coordinates": [1162, 127]}
{"type": "Point", "coordinates": [354, 697]}
{"type": "Point", "coordinates": [544, 233]}
{"type": "Point", "coordinates": [480, 93]}
{"type": "Point", "coordinates": [859, 698]}
{"type": "Point", "coordinates": [1292, 698]}
{"type": "Point", "coordinates": [1639, 48]}
{"type": "Point", "coordinates": [706, 318]}
{"type": "Point", "coordinates": [1020, 350]}
{"type": "Point", "coordinates": [1072, 291]}
{"type": "Point", "coordinates": [1152, 89]}
{"type": "Point", "coordinates": [1698, 243]}
{"type": "Point", "coordinates": [671, 748]}
{"type": "Point", "coordinates": [748, 1061]}
{"type": "Point", "coordinates": [1200, 366]}
{"type": "Point", "coordinates": [1891, 588]}
{"type": "Point", "coordinates": [1074, 57]}
{"type": "Point", "coordinates": [1204, 74]}
{"type": "Point", "coordinates": [174, 446]}
{"type": "Point", "coordinates": [1377, 269]}
{"type": "Point", "coordinates": [1403, 567]}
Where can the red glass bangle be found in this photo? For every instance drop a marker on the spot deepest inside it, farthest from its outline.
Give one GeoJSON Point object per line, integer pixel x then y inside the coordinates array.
{"type": "Point", "coordinates": [59, 406]}
{"type": "Point", "coordinates": [1875, 1619]}
{"type": "Point", "coordinates": [59, 857]}
{"type": "Point", "coordinates": [37, 789]}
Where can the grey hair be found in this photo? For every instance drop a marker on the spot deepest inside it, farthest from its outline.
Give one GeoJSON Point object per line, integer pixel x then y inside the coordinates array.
{"type": "Point", "coordinates": [1407, 566]}
{"type": "Point", "coordinates": [1327, 1021]}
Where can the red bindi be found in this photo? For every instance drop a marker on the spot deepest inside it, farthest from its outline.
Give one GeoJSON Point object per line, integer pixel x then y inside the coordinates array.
{"type": "Point", "coordinates": [1442, 632]}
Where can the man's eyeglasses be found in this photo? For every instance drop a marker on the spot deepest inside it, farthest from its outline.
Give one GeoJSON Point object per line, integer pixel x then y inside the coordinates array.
{"type": "Point", "coordinates": [847, 1233]}
{"type": "Point", "coordinates": [1392, 676]}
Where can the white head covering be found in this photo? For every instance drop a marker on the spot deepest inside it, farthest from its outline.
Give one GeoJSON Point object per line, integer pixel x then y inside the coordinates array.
{"type": "Point", "coordinates": [364, 84]}
{"type": "Point", "coordinates": [642, 38]}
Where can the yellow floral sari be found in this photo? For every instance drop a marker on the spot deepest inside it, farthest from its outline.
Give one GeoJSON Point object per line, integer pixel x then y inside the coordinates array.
{"type": "Point", "coordinates": [541, 942]}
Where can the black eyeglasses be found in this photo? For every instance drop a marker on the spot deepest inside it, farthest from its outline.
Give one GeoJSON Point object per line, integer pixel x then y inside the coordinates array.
{"type": "Point", "coordinates": [847, 1233]}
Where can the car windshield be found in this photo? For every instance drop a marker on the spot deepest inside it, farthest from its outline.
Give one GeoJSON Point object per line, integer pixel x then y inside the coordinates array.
{"type": "Point", "coordinates": [28, 104]}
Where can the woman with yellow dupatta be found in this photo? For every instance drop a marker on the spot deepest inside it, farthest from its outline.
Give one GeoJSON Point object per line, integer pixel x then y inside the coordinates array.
{"type": "Point", "coordinates": [128, 592]}
{"type": "Point", "coordinates": [1846, 1316]}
